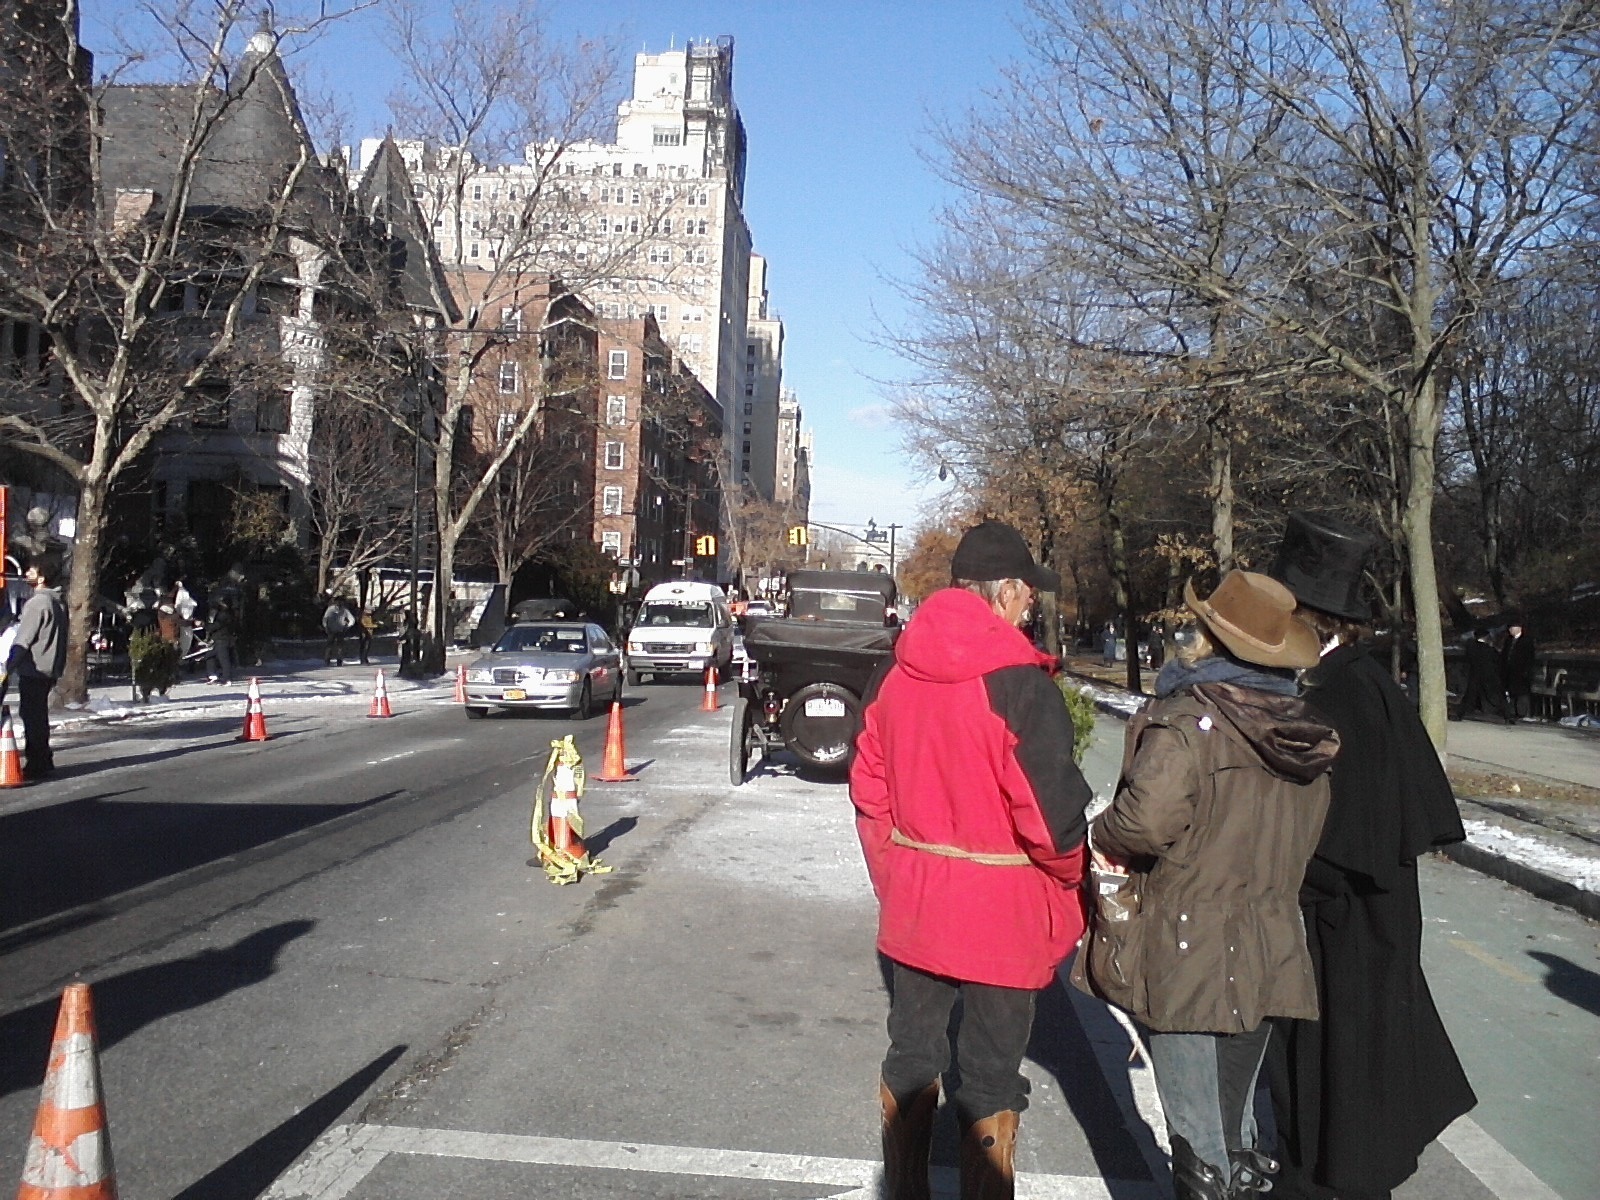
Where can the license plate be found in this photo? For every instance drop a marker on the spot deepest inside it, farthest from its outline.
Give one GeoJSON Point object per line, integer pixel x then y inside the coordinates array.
{"type": "Point", "coordinates": [515, 694]}
{"type": "Point", "coordinates": [824, 706]}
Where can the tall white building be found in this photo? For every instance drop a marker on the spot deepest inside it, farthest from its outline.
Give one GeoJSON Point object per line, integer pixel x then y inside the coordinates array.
{"type": "Point", "coordinates": [670, 188]}
{"type": "Point", "coordinates": [757, 416]}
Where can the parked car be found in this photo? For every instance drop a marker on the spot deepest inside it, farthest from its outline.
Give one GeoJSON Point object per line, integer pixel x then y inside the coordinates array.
{"type": "Point", "coordinates": [546, 665]}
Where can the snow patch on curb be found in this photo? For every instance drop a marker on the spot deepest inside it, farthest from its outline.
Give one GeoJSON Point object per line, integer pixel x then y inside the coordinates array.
{"type": "Point", "coordinates": [1579, 871]}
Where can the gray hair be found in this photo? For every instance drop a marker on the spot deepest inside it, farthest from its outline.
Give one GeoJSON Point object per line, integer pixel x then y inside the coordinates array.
{"type": "Point", "coordinates": [987, 589]}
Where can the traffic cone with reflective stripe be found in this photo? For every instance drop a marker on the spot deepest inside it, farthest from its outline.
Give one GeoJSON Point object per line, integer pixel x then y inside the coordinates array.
{"type": "Point", "coordinates": [380, 699]}
{"type": "Point", "coordinates": [69, 1154]}
{"type": "Point", "coordinates": [558, 831]}
{"type": "Point", "coordinates": [615, 767]}
{"type": "Point", "coordinates": [461, 683]}
{"type": "Point", "coordinates": [255, 721]}
{"type": "Point", "coordinates": [709, 703]}
{"type": "Point", "coordinates": [10, 761]}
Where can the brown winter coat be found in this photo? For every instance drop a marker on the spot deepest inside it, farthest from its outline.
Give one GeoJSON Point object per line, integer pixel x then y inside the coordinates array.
{"type": "Point", "coordinates": [1221, 801]}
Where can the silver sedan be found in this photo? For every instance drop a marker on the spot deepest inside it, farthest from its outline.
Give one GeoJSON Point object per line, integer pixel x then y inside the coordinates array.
{"type": "Point", "coordinates": [546, 664]}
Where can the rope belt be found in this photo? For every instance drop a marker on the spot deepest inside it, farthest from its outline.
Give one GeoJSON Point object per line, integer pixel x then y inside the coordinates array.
{"type": "Point", "coordinates": [988, 860]}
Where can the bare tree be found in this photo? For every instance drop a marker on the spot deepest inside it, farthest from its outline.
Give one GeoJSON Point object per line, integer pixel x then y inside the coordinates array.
{"type": "Point", "coordinates": [135, 299]}
{"type": "Point", "coordinates": [357, 510]}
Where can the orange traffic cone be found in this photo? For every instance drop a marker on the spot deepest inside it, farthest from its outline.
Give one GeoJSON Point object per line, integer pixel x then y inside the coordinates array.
{"type": "Point", "coordinates": [69, 1154]}
{"type": "Point", "coordinates": [709, 703]}
{"type": "Point", "coordinates": [255, 721]}
{"type": "Point", "coordinates": [380, 699]}
{"type": "Point", "coordinates": [558, 834]}
{"type": "Point", "coordinates": [564, 822]}
{"type": "Point", "coordinates": [461, 683]}
{"type": "Point", "coordinates": [615, 767]}
{"type": "Point", "coordinates": [10, 761]}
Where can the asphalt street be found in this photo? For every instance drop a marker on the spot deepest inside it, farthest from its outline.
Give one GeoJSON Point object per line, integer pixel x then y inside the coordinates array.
{"type": "Point", "coordinates": [327, 961]}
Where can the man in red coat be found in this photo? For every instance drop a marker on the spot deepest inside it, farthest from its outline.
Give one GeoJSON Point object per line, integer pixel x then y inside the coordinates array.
{"type": "Point", "coordinates": [971, 815]}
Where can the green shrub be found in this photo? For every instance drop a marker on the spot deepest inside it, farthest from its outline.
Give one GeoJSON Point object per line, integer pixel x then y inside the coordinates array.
{"type": "Point", "coordinates": [155, 663]}
{"type": "Point", "coordinates": [1082, 710]}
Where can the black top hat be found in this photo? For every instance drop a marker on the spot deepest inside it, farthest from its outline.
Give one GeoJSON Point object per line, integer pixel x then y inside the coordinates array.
{"type": "Point", "coordinates": [1321, 560]}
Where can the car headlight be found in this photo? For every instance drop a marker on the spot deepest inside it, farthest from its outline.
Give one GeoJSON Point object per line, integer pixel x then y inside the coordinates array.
{"type": "Point", "coordinates": [562, 676]}
{"type": "Point", "coordinates": [702, 647]}
{"type": "Point", "coordinates": [635, 648]}
{"type": "Point", "coordinates": [480, 675]}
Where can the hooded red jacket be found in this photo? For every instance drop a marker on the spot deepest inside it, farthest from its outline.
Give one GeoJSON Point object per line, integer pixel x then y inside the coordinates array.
{"type": "Point", "coordinates": [966, 742]}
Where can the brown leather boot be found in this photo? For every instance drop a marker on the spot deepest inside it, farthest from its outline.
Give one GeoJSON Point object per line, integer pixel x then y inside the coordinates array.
{"type": "Point", "coordinates": [988, 1158]}
{"type": "Point", "coordinates": [907, 1135]}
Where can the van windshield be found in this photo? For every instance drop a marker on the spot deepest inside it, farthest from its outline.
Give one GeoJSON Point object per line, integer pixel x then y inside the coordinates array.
{"type": "Point", "coordinates": [695, 616]}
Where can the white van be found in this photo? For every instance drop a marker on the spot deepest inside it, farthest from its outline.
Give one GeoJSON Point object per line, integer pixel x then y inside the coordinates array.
{"type": "Point", "coordinates": [682, 628]}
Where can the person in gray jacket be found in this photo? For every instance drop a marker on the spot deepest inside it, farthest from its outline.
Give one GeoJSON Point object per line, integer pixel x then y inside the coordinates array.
{"type": "Point", "coordinates": [38, 656]}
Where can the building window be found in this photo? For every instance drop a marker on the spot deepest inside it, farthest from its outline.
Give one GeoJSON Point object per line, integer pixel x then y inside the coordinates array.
{"type": "Point", "coordinates": [616, 410]}
{"type": "Point", "coordinates": [747, 429]}
{"type": "Point", "coordinates": [508, 379]}
{"type": "Point", "coordinates": [744, 465]}
{"type": "Point", "coordinates": [506, 426]}
{"type": "Point", "coordinates": [616, 169]}
{"type": "Point", "coordinates": [472, 250]}
{"type": "Point", "coordinates": [666, 225]}
{"type": "Point", "coordinates": [611, 501]}
{"type": "Point", "coordinates": [613, 456]}
{"type": "Point", "coordinates": [511, 318]}
{"type": "Point", "coordinates": [416, 191]}
{"type": "Point", "coordinates": [661, 254]}
{"type": "Point", "coordinates": [746, 449]}
{"type": "Point", "coordinates": [749, 389]}
{"type": "Point", "coordinates": [748, 409]}
{"type": "Point", "coordinates": [611, 542]}
{"type": "Point", "coordinates": [617, 365]}
{"type": "Point", "coordinates": [477, 191]}
{"type": "Point", "coordinates": [666, 135]}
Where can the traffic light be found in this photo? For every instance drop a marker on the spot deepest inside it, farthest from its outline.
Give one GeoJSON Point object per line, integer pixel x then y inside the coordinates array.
{"type": "Point", "coordinates": [799, 535]}
{"type": "Point", "coordinates": [705, 545]}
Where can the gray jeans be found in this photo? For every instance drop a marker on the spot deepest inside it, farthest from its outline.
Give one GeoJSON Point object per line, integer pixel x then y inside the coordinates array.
{"type": "Point", "coordinates": [1207, 1083]}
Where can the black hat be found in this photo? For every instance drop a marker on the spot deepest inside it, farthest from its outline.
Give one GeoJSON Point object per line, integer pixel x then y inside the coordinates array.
{"type": "Point", "coordinates": [994, 550]}
{"type": "Point", "coordinates": [1321, 560]}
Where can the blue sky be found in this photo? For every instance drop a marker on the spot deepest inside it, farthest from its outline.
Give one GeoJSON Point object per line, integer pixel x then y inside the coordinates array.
{"type": "Point", "coordinates": [838, 99]}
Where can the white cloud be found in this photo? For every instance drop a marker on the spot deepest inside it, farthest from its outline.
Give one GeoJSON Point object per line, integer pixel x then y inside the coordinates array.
{"type": "Point", "coordinates": [871, 416]}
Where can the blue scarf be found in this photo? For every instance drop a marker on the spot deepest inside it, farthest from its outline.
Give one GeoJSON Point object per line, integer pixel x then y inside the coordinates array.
{"type": "Point", "coordinates": [1178, 676]}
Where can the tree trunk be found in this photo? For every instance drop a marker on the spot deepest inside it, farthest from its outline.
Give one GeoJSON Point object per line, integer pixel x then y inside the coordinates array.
{"type": "Point", "coordinates": [83, 584]}
{"type": "Point", "coordinates": [1122, 578]}
{"type": "Point", "coordinates": [1418, 526]}
{"type": "Point", "coordinates": [1219, 427]}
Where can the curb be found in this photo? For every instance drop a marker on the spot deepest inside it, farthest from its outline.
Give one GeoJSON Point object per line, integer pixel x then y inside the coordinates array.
{"type": "Point", "coordinates": [1520, 875]}
{"type": "Point", "coordinates": [1537, 883]}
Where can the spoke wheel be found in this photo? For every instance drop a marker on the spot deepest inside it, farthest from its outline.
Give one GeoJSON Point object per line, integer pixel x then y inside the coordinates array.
{"type": "Point", "coordinates": [739, 741]}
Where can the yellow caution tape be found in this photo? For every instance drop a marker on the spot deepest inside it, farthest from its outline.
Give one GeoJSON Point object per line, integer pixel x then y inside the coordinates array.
{"type": "Point", "coordinates": [560, 866]}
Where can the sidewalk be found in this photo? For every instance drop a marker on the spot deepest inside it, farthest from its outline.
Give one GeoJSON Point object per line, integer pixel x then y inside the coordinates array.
{"type": "Point", "coordinates": [283, 681]}
{"type": "Point", "coordinates": [1529, 796]}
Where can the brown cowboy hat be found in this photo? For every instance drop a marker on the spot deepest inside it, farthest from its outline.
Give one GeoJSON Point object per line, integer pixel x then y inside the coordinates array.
{"type": "Point", "coordinates": [1253, 616]}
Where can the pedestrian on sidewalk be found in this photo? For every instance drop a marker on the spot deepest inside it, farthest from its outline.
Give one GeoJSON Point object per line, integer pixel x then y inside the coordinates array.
{"type": "Point", "coordinates": [1517, 666]}
{"type": "Point", "coordinates": [1485, 691]}
{"type": "Point", "coordinates": [38, 656]}
{"type": "Point", "coordinates": [337, 621]}
{"type": "Point", "coordinates": [970, 810]}
{"type": "Point", "coordinates": [1218, 809]}
{"type": "Point", "coordinates": [1361, 1091]}
{"type": "Point", "coordinates": [223, 631]}
{"type": "Point", "coordinates": [366, 626]}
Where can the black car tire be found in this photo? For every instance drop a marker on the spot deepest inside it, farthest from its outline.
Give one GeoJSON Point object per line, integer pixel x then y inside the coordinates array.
{"type": "Point", "coordinates": [739, 742]}
{"type": "Point", "coordinates": [633, 678]}
{"type": "Point", "coordinates": [475, 714]}
{"type": "Point", "coordinates": [585, 708]}
{"type": "Point", "coordinates": [820, 742]}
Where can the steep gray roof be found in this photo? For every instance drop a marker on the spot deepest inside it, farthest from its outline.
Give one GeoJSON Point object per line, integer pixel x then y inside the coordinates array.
{"type": "Point", "coordinates": [384, 192]}
{"type": "Point", "coordinates": [254, 135]}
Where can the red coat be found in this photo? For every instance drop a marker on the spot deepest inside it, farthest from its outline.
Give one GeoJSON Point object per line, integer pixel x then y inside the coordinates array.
{"type": "Point", "coordinates": [965, 742]}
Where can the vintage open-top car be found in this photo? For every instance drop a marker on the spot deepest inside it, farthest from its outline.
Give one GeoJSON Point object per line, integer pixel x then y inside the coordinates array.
{"type": "Point", "coordinates": [808, 670]}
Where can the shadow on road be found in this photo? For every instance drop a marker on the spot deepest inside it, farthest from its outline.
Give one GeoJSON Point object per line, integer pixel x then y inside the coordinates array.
{"type": "Point", "coordinates": [1568, 981]}
{"type": "Point", "coordinates": [251, 1171]}
{"type": "Point", "coordinates": [64, 855]}
{"type": "Point", "coordinates": [124, 1004]}
{"type": "Point", "coordinates": [618, 828]}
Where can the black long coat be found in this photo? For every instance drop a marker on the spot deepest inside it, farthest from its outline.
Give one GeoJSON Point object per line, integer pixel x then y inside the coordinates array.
{"type": "Point", "coordinates": [1360, 1092]}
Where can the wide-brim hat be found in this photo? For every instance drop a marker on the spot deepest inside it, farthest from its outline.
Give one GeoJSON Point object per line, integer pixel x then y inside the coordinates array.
{"type": "Point", "coordinates": [1253, 616]}
{"type": "Point", "coordinates": [1323, 560]}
